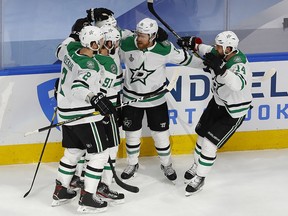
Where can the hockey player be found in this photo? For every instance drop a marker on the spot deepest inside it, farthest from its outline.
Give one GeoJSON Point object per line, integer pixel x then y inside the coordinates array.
{"type": "Point", "coordinates": [109, 60]}
{"type": "Point", "coordinates": [231, 87]}
{"type": "Point", "coordinates": [104, 17]}
{"type": "Point", "coordinates": [145, 60]}
{"type": "Point", "coordinates": [79, 94]}
{"type": "Point", "coordinates": [112, 40]}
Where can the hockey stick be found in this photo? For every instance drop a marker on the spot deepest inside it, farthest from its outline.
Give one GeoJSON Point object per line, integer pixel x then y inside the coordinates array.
{"type": "Point", "coordinates": [122, 184]}
{"type": "Point", "coordinates": [267, 75]}
{"type": "Point", "coordinates": [45, 143]}
{"type": "Point", "coordinates": [164, 91]}
{"type": "Point", "coordinates": [152, 10]}
{"type": "Point", "coordinates": [61, 123]}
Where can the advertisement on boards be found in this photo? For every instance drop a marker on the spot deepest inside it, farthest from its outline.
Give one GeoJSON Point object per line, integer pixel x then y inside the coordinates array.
{"type": "Point", "coordinates": [27, 103]}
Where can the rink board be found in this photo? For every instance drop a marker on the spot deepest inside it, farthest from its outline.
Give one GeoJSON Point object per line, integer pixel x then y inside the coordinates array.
{"type": "Point", "coordinates": [27, 104]}
{"type": "Point", "coordinates": [181, 144]}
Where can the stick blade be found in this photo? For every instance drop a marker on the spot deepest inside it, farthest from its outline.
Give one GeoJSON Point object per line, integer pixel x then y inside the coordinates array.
{"type": "Point", "coordinates": [173, 80]}
{"type": "Point", "coordinates": [31, 132]}
{"type": "Point", "coordinates": [268, 74]}
{"type": "Point", "coordinates": [26, 194]}
{"type": "Point", "coordinates": [125, 186]}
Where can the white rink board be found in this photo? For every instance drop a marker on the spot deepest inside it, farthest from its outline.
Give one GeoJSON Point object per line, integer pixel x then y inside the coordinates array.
{"type": "Point", "coordinates": [20, 111]}
{"type": "Point", "coordinates": [265, 114]}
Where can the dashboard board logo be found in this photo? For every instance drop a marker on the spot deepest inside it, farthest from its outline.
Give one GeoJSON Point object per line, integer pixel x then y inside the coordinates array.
{"type": "Point", "coordinates": [48, 103]}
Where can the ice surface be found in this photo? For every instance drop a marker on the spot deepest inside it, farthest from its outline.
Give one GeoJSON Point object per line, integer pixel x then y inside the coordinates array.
{"type": "Point", "coordinates": [240, 184]}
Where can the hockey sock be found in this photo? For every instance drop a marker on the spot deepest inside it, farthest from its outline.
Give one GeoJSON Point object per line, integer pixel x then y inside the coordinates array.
{"type": "Point", "coordinates": [198, 148]}
{"type": "Point", "coordinates": [67, 165]}
{"type": "Point", "coordinates": [94, 170]}
{"type": "Point", "coordinates": [80, 166]}
{"type": "Point", "coordinates": [162, 145]}
{"type": "Point", "coordinates": [107, 173]}
{"type": "Point", "coordinates": [207, 158]}
{"type": "Point", "coordinates": [133, 146]}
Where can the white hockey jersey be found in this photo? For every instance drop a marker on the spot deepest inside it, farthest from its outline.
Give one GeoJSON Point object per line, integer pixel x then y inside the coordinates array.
{"type": "Point", "coordinates": [80, 75]}
{"type": "Point", "coordinates": [233, 88]}
{"type": "Point", "coordinates": [114, 93]}
{"type": "Point", "coordinates": [110, 78]}
{"type": "Point", "coordinates": [145, 70]}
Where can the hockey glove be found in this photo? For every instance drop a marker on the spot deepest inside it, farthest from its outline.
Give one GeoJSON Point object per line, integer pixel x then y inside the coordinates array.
{"type": "Point", "coordinates": [214, 62]}
{"type": "Point", "coordinates": [102, 104]}
{"type": "Point", "coordinates": [189, 42]}
{"type": "Point", "coordinates": [161, 35]}
{"type": "Point", "coordinates": [98, 14]}
{"type": "Point", "coordinates": [76, 28]}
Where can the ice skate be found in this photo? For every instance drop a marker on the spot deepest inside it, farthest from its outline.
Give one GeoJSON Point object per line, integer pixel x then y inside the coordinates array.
{"type": "Point", "coordinates": [91, 203]}
{"type": "Point", "coordinates": [195, 185]}
{"type": "Point", "coordinates": [169, 172]}
{"type": "Point", "coordinates": [76, 183]}
{"type": "Point", "coordinates": [130, 171]}
{"type": "Point", "coordinates": [109, 195]}
{"type": "Point", "coordinates": [62, 195]}
{"type": "Point", "coordinates": [190, 173]}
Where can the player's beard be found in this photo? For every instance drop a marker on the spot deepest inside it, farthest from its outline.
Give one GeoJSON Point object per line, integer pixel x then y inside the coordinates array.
{"type": "Point", "coordinates": [142, 45]}
{"type": "Point", "coordinates": [112, 51]}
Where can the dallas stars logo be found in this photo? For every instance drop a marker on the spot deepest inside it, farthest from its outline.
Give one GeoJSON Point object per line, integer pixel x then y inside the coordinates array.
{"type": "Point", "coordinates": [140, 74]}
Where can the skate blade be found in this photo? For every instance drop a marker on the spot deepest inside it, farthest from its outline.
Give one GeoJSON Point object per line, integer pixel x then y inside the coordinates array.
{"type": "Point", "coordinates": [115, 202]}
{"type": "Point", "coordinates": [61, 202]}
{"type": "Point", "coordinates": [173, 182]}
{"type": "Point", "coordinates": [75, 188]}
{"type": "Point", "coordinates": [187, 194]}
{"type": "Point", "coordinates": [88, 209]}
{"type": "Point", "coordinates": [111, 201]}
{"type": "Point", "coordinates": [187, 181]}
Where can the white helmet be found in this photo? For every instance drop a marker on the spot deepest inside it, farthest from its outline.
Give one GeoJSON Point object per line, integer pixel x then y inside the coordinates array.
{"type": "Point", "coordinates": [111, 34]}
{"type": "Point", "coordinates": [147, 26]}
{"type": "Point", "coordinates": [90, 34]}
{"type": "Point", "coordinates": [110, 21]}
{"type": "Point", "coordinates": [227, 39]}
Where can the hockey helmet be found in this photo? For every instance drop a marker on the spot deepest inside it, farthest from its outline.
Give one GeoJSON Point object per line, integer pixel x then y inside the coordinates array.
{"type": "Point", "coordinates": [227, 39]}
{"type": "Point", "coordinates": [111, 34]}
{"type": "Point", "coordinates": [111, 21]}
{"type": "Point", "coordinates": [89, 34]}
{"type": "Point", "coordinates": [147, 26]}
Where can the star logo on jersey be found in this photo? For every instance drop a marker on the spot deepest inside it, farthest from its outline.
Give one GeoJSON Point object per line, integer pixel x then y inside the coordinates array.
{"type": "Point", "coordinates": [90, 64]}
{"type": "Point", "coordinates": [127, 123]}
{"type": "Point", "coordinates": [88, 145]}
{"type": "Point", "coordinates": [237, 59]}
{"type": "Point", "coordinates": [140, 74]}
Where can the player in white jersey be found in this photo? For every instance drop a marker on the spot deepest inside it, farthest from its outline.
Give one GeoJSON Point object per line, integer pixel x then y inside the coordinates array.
{"type": "Point", "coordinates": [145, 61]}
{"type": "Point", "coordinates": [79, 94]}
{"type": "Point", "coordinates": [111, 79]}
{"type": "Point", "coordinates": [231, 87]}
{"type": "Point", "coordinates": [112, 40]}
